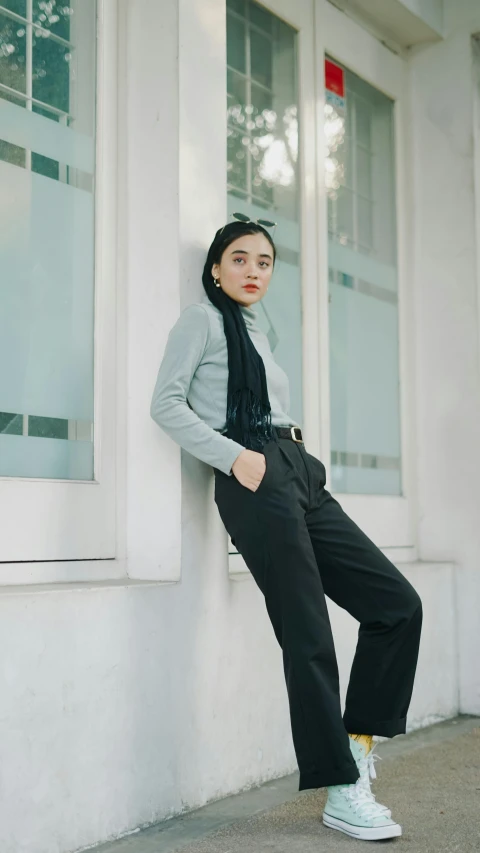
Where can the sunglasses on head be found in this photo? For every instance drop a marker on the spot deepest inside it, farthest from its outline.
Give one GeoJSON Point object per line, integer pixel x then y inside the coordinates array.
{"type": "Point", "coordinates": [242, 217]}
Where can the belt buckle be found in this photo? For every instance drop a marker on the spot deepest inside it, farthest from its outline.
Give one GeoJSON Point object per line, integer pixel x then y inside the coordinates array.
{"type": "Point", "coordinates": [292, 433]}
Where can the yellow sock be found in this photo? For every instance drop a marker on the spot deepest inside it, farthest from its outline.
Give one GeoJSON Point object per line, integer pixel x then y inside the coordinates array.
{"type": "Point", "coordinates": [366, 740]}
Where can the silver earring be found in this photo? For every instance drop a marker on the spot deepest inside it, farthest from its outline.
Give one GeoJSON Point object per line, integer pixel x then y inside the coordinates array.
{"type": "Point", "coordinates": [216, 282]}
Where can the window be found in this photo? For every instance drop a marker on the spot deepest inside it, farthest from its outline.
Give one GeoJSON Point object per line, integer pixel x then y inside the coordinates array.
{"type": "Point", "coordinates": [58, 312]}
{"type": "Point", "coordinates": [363, 307]}
{"type": "Point", "coordinates": [47, 164]}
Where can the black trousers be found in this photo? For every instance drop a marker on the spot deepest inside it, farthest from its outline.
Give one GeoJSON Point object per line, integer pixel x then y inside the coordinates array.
{"type": "Point", "coordinates": [300, 545]}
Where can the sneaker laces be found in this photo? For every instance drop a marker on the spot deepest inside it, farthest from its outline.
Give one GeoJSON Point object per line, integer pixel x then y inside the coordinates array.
{"type": "Point", "coordinates": [366, 767]}
{"type": "Point", "coordinates": [363, 801]}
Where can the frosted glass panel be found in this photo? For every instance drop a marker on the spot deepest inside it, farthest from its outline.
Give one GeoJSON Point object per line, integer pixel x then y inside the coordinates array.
{"type": "Point", "coordinates": [47, 124]}
{"type": "Point", "coordinates": [262, 163]}
{"type": "Point", "coordinates": [46, 293]}
{"type": "Point", "coordinates": [56, 141]}
{"type": "Point", "coordinates": [363, 306]}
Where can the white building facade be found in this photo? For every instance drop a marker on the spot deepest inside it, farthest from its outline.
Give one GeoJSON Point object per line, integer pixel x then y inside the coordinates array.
{"type": "Point", "coordinates": [140, 674]}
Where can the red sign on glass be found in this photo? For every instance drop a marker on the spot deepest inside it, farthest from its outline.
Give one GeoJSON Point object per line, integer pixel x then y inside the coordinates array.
{"type": "Point", "coordinates": [335, 83]}
{"type": "Point", "coordinates": [334, 78]}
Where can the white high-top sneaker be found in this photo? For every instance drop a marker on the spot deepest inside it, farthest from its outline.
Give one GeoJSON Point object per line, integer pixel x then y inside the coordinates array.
{"type": "Point", "coordinates": [351, 810]}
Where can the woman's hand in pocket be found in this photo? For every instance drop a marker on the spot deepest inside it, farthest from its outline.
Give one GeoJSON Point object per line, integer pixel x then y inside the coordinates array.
{"type": "Point", "coordinates": [249, 469]}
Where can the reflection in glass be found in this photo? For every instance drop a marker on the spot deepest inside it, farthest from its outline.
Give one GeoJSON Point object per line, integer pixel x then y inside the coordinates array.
{"type": "Point", "coordinates": [236, 47]}
{"type": "Point", "coordinates": [261, 58]}
{"type": "Point", "coordinates": [53, 17]}
{"type": "Point", "coordinates": [261, 18]}
{"type": "Point", "coordinates": [262, 110]}
{"type": "Point", "coordinates": [17, 6]}
{"type": "Point", "coordinates": [51, 71]}
{"type": "Point", "coordinates": [12, 54]}
{"type": "Point", "coordinates": [237, 6]}
{"type": "Point", "coordinates": [237, 159]}
{"type": "Point", "coordinates": [236, 96]}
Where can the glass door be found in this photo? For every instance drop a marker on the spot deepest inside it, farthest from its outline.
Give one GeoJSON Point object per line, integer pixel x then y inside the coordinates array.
{"type": "Point", "coordinates": [367, 399]}
{"type": "Point", "coordinates": [363, 285]}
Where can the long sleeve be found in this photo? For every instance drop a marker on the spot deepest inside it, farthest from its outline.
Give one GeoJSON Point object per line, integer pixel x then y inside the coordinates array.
{"type": "Point", "coordinates": [169, 408]}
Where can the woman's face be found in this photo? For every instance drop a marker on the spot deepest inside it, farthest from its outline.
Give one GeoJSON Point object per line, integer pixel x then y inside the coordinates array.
{"type": "Point", "coordinates": [246, 261]}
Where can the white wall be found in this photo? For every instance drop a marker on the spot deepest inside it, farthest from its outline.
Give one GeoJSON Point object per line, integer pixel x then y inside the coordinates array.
{"type": "Point", "coordinates": [150, 276]}
{"type": "Point", "coordinates": [125, 704]}
{"type": "Point", "coordinates": [121, 706]}
{"type": "Point", "coordinates": [447, 321]}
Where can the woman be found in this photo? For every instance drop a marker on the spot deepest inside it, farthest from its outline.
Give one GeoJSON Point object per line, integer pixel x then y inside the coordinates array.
{"type": "Point", "coordinates": [220, 395]}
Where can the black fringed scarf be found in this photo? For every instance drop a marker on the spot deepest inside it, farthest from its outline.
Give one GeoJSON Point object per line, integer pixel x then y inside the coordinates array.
{"type": "Point", "coordinates": [248, 418]}
{"type": "Point", "coordinates": [248, 415]}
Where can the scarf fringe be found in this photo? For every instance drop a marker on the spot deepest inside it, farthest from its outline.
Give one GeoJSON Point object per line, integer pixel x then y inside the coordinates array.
{"type": "Point", "coordinates": [257, 430]}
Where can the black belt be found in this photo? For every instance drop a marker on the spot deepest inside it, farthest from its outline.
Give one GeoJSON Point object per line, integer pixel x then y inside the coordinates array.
{"type": "Point", "coordinates": [293, 432]}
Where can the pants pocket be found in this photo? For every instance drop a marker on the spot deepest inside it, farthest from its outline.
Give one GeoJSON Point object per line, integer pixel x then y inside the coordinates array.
{"type": "Point", "coordinates": [319, 468]}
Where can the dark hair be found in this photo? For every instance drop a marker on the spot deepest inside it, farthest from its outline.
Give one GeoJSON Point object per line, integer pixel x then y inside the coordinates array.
{"type": "Point", "coordinates": [221, 241]}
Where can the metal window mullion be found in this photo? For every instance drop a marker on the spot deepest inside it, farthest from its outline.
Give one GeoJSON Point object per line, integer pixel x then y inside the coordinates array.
{"type": "Point", "coordinates": [253, 25]}
{"type": "Point", "coordinates": [21, 96]}
{"type": "Point", "coordinates": [12, 15]}
{"type": "Point", "coordinates": [19, 19]}
{"type": "Point", "coordinates": [245, 75]}
{"type": "Point", "coordinates": [29, 73]}
{"type": "Point", "coordinates": [354, 173]}
{"type": "Point", "coordinates": [63, 169]}
{"type": "Point", "coordinates": [249, 101]}
{"type": "Point", "coordinates": [54, 37]}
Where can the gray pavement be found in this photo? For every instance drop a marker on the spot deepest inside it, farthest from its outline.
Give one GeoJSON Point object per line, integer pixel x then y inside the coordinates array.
{"type": "Point", "coordinates": [429, 778]}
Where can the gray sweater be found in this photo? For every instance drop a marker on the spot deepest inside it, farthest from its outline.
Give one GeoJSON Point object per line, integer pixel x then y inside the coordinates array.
{"type": "Point", "coordinates": [189, 401]}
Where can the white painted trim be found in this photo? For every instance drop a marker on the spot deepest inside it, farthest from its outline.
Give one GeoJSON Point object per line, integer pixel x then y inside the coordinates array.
{"type": "Point", "coordinates": [151, 134]}
{"type": "Point", "coordinates": [323, 325]}
{"type": "Point", "coordinates": [406, 560]}
{"type": "Point", "coordinates": [475, 44]}
{"type": "Point", "coordinates": [85, 585]}
{"type": "Point", "coordinates": [61, 571]}
{"type": "Point", "coordinates": [311, 296]}
{"type": "Point", "coordinates": [404, 178]}
{"type": "Point", "coordinates": [121, 352]}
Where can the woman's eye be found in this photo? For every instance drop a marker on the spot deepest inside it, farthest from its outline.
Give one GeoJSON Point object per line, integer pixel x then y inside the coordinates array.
{"type": "Point", "coordinates": [264, 263]}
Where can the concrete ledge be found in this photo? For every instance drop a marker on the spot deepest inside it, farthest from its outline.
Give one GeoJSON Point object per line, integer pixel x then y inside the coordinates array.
{"type": "Point", "coordinates": [403, 22]}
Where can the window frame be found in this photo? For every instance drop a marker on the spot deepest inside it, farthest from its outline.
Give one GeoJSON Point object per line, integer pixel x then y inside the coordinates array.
{"type": "Point", "coordinates": [71, 526]}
